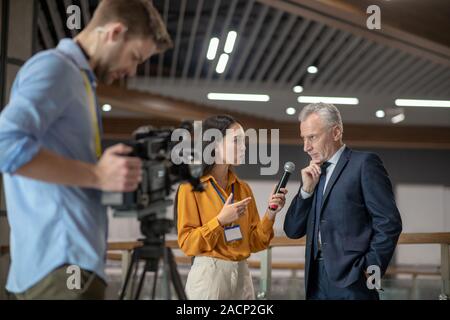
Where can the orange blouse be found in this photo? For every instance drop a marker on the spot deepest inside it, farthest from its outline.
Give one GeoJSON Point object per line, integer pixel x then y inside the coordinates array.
{"type": "Point", "coordinates": [199, 231]}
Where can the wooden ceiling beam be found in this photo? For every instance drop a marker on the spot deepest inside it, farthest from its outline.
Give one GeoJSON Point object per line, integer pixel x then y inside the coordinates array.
{"type": "Point", "coordinates": [355, 135]}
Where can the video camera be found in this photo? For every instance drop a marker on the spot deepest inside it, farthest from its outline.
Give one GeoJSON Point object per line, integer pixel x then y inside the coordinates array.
{"type": "Point", "coordinates": [162, 168]}
{"type": "Point", "coordinates": [149, 202]}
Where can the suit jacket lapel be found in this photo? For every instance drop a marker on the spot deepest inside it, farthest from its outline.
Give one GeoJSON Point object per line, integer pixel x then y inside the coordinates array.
{"type": "Point", "coordinates": [342, 162]}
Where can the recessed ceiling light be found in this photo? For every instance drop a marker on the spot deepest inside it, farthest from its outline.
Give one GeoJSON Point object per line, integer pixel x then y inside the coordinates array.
{"type": "Point", "coordinates": [290, 111]}
{"type": "Point", "coordinates": [222, 64]}
{"type": "Point", "coordinates": [312, 69]}
{"type": "Point", "coordinates": [298, 89]}
{"type": "Point", "coordinates": [398, 118]}
{"type": "Point", "coordinates": [229, 43]}
{"type": "Point", "coordinates": [380, 114]}
{"type": "Point", "coordinates": [106, 108]}
{"type": "Point", "coordinates": [238, 97]}
{"type": "Point", "coordinates": [335, 100]}
{"type": "Point", "coordinates": [212, 49]}
{"type": "Point", "coordinates": [422, 103]}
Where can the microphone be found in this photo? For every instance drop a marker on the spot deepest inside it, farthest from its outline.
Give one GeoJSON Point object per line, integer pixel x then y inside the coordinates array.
{"type": "Point", "coordinates": [289, 167]}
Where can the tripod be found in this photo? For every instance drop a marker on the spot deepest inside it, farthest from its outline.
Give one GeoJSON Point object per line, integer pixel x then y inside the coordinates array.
{"type": "Point", "coordinates": [152, 252]}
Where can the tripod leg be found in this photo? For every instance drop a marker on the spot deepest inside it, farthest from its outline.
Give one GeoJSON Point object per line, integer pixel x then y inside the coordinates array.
{"type": "Point", "coordinates": [155, 281]}
{"type": "Point", "coordinates": [166, 275]}
{"type": "Point", "coordinates": [128, 276]}
{"type": "Point", "coordinates": [141, 282]}
{"type": "Point", "coordinates": [175, 276]}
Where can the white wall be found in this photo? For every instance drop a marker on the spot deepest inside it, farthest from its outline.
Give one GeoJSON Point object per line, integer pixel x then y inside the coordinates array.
{"type": "Point", "coordinates": [424, 208]}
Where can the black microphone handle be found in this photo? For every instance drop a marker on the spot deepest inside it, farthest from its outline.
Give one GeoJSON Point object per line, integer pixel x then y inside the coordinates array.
{"type": "Point", "coordinates": [283, 182]}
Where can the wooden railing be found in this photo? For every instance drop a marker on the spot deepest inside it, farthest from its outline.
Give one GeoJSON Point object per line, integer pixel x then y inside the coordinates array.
{"type": "Point", "coordinates": [266, 264]}
{"type": "Point", "coordinates": [443, 239]}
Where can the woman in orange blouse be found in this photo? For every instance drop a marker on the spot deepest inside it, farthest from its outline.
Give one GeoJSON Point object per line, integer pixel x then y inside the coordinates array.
{"type": "Point", "coordinates": [221, 226]}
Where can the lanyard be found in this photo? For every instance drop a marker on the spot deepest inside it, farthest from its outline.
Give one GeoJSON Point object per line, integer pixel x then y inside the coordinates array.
{"type": "Point", "coordinates": [93, 109]}
{"type": "Point", "coordinates": [220, 194]}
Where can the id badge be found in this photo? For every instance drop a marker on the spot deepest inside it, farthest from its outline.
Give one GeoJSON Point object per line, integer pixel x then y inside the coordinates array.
{"type": "Point", "coordinates": [233, 233]}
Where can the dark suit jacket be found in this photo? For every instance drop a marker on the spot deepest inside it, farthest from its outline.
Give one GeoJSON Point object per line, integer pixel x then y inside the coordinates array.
{"type": "Point", "coordinates": [360, 223]}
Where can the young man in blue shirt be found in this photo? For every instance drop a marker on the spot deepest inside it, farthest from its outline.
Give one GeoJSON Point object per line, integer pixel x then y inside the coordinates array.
{"type": "Point", "coordinates": [51, 157]}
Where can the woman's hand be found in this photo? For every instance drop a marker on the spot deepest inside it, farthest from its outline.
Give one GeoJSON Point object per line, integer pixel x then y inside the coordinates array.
{"type": "Point", "coordinates": [277, 202]}
{"type": "Point", "coordinates": [232, 211]}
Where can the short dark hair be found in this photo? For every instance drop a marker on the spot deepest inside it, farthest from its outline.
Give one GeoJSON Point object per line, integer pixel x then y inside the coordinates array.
{"type": "Point", "coordinates": [139, 16]}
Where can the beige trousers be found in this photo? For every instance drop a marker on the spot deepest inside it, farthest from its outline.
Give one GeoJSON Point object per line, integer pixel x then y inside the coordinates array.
{"type": "Point", "coordinates": [216, 279]}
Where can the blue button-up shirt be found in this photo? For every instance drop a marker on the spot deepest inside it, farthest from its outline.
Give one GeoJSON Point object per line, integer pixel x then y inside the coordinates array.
{"type": "Point", "coordinates": [51, 224]}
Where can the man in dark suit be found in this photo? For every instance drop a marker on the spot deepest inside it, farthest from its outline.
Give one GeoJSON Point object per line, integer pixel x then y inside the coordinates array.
{"type": "Point", "coordinates": [346, 209]}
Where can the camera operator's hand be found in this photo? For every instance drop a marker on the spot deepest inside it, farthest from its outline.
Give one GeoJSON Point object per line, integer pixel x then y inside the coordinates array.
{"type": "Point", "coordinates": [117, 172]}
{"type": "Point", "coordinates": [232, 211]}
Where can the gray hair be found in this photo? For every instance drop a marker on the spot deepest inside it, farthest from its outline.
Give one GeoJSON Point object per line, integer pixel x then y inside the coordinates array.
{"type": "Point", "coordinates": [328, 112]}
